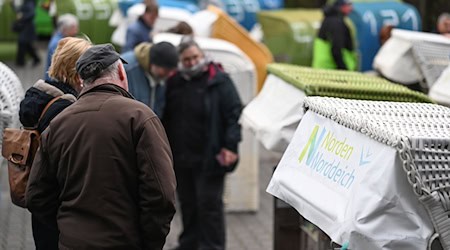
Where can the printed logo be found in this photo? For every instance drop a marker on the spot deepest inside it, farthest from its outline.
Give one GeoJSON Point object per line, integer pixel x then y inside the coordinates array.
{"type": "Point", "coordinates": [364, 159]}
{"type": "Point", "coordinates": [312, 145]}
{"type": "Point", "coordinates": [334, 165]}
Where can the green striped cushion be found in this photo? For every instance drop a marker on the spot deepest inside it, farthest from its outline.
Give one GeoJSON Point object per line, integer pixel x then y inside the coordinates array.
{"type": "Point", "coordinates": [344, 84]}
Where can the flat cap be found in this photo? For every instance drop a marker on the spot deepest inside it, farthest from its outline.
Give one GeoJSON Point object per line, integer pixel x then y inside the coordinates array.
{"type": "Point", "coordinates": [96, 59]}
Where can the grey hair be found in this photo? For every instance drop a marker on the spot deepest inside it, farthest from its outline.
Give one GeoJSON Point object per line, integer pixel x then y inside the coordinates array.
{"type": "Point", "coordinates": [67, 20]}
{"type": "Point", "coordinates": [110, 72]}
{"type": "Point", "coordinates": [186, 43]}
{"type": "Point", "coordinates": [444, 16]}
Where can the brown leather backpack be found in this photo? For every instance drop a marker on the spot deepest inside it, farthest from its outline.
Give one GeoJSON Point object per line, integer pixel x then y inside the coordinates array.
{"type": "Point", "coordinates": [19, 148]}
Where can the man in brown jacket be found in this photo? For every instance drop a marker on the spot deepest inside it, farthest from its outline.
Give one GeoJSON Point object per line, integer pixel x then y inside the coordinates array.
{"type": "Point", "coordinates": [104, 168]}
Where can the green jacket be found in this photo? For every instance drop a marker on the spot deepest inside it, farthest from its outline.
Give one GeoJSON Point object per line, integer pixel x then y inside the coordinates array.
{"type": "Point", "coordinates": [333, 46]}
{"type": "Point", "coordinates": [323, 58]}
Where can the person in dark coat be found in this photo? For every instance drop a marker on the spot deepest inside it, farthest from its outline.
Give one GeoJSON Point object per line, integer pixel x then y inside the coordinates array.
{"type": "Point", "coordinates": [66, 85]}
{"type": "Point", "coordinates": [201, 120]}
{"type": "Point", "coordinates": [333, 46]}
{"type": "Point", "coordinates": [104, 168]}
{"type": "Point", "coordinates": [140, 30]}
{"type": "Point", "coordinates": [24, 25]}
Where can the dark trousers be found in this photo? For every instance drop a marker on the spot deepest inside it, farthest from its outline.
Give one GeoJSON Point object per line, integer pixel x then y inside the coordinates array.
{"type": "Point", "coordinates": [45, 237]}
{"type": "Point", "coordinates": [201, 203]}
{"type": "Point", "coordinates": [26, 48]}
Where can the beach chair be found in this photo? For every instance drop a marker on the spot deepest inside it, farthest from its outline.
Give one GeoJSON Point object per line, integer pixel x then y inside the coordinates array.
{"type": "Point", "coordinates": [229, 30]}
{"type": "Point", "coordinates": [410, 57]}
{"type": "Point", "coordinates": [11, 93]}
{"type": "Point", "coordinates": [373, 174]}
{"type": "Point", "coordinates": [439, 92]}
{"type": "Point", "coordinates": [275, 113]}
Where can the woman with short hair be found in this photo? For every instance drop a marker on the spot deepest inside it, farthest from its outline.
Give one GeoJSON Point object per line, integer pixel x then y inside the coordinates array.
{"type": "Point", "coordinates": [65, 85]}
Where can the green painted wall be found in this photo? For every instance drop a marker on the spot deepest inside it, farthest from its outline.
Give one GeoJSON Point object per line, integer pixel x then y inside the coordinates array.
{"type": "Point", "coordinates": [93, 15]}
{"type": "Point", "coordinates": [7, 15]}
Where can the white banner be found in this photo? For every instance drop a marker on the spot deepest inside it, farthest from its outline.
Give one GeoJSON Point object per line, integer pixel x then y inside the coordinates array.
{"type": "Point", "coordinates": [274, 114]}
{"type": "Point", "coordinates": [351, 186]}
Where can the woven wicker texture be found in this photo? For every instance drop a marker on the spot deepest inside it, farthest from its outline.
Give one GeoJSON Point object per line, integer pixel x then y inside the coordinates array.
{"type": "Point", "coordinates": [11, 93]}
{"type": "Point", "coordinates": [344, 84]}
{"type": "Point", "coordinates": [432, 58]}
{"type": "Point", "coordinates": [421, 135]}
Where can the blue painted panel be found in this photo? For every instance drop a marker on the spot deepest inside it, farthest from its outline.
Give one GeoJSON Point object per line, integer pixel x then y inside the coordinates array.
{"type": "Point", "coordinates": [124, 5]}
{"type": "Point", "coordinates": [369, 18]}
{"type": "Point", "coordinates": [243, 11]}
{"type": "Point", "coordinates": [271, 4]}
{"type": "Point", "coordinates": [186, 5]}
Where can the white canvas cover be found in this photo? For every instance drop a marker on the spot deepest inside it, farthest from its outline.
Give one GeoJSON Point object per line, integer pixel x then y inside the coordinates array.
{"type": "Point", "coordinates": [351, 187]}
{"type": "Point", "coordinates": [274, 114]}
{"type": "Point", "coordinates": [241, 188]}
{"type": "Point", "coordinates": [202, 23]}
{"type": "Point", "coordinates": [369, 173]}
{"type": "Point", "coordinates": [395, 59]}
{"type": "Point", "coordinates": [440, 91]}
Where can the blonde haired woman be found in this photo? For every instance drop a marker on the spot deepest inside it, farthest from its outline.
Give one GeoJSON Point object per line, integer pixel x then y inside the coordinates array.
{"type": "Point", "coordinates": [65, 85]}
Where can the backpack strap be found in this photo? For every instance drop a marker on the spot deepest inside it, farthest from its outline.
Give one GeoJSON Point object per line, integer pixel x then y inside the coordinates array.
{"type": "Point", "coordinates": [48, 106]}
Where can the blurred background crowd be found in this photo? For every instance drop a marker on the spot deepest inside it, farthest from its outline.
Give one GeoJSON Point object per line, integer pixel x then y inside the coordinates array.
{"type": "Point", "coordinates": [287, 28]}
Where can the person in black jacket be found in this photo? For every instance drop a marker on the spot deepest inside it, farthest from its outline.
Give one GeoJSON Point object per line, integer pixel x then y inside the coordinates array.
{"type": "Point", "coordinates": [335, 34]}
{"type": "Point", "coordinates": [66, 85]}
{"type": "Point", "coordinates": [201, 121]}
{"type": "Point", "coordinates": [24, 25]}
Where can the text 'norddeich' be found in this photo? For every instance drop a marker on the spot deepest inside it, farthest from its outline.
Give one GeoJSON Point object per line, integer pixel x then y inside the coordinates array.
{"type": "Point", "coordinates": [334, 166]}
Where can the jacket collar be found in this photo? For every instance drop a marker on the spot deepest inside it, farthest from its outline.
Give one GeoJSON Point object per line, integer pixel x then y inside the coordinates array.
{"type": "Point", "coordinates": [106, 87]}
{"type": "Point", "coordinates": [215, 71]}
{"type": "Point", "coordinates": [64, 87]}
{"type": "Point", "coordinates": [214, 74]}
{"type": "Point", "coordinates": [141, 20]}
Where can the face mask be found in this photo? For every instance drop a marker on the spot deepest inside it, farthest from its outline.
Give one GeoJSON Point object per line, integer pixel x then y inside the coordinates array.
{"type": "Point", "coordinates": [194, 70]}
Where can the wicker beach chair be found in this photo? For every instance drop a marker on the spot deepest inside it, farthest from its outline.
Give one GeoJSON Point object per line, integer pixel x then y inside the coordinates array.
{"type": "Point", "coordinates": [11, 93]}
{"type": "Point", "coordinates": [275, 113]}
{"type": "Point", "coordinates": [433, 59]}
{"type": "Point", "coordinates": [410, 57]}
{"type": "Point", "coordinates": [419, 132]}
